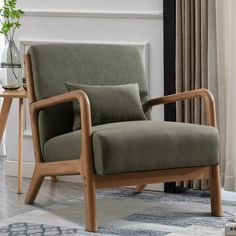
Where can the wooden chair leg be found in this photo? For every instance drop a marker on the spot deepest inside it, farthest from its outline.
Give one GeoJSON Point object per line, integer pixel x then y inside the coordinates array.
{"type": "Point", "coordinates": [20, 143]}
{"type": "Point", "coordinates": [54, 179]}
{"type": "Point", "coordinates": [140, 188]}
{"type": "Point", "coordinates": [90, 205]}
{"type": "Point", "coordinates": [35, 185]}
{"type": "Point", "coordinates": [215, 188]}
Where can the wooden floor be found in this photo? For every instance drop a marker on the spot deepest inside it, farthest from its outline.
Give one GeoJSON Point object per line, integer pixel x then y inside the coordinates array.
{"type": "Point", "coordinates": [12, 204]}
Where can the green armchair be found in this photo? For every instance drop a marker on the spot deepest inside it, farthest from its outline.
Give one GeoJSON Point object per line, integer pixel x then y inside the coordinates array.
{"type": "Point", "coordinates": [129, 152]}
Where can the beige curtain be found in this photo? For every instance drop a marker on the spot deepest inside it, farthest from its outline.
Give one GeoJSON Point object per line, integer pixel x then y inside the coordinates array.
{"type": "Point", "coordinates": [218, 73]}
{"type": "Point", "coordinates": [222, 82]}
{"type": "Point", "coordinates": [206, 57]}
{"type": "Point", "coordinates": [225, 88]}
{"type": "Point", "coordinates": [191, 63]}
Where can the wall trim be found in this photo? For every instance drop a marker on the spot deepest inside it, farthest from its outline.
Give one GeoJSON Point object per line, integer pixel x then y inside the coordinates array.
{"type": "Point", "coordinates": [94, 14]}
{"type": "Point", "coordinates": [28, 168]}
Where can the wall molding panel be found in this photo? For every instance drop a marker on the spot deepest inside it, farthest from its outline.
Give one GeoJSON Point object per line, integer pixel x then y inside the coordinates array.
{"type": "Point", "coordinates": [124, 22]}
{"type": "Point", "coordinates": [94, 14]}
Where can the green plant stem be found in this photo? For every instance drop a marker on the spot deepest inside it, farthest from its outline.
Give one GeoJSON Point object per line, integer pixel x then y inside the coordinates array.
{"type": "Point", "coordinates": [13, 32]}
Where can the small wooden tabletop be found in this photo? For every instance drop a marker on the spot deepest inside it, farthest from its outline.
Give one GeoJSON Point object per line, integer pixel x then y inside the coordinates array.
{"type": "Point", "coordinates": [19, 93]}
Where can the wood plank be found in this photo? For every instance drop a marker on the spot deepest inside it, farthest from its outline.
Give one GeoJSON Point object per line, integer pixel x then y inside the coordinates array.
{"type": "Point", "coordinates": [72, 167]}
{"type": "Point", "coordinates": [150, 177]}
{"type": "Point", "coordinates": [16, 93]}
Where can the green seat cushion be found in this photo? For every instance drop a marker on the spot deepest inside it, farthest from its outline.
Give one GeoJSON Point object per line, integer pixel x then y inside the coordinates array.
{"type": "Point", "coordinates": [109, 103]}
{"type": "Point", "coordinates": [140, 146]}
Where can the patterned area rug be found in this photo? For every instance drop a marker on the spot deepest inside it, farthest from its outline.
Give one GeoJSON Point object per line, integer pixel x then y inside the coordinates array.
{"type": "Point", "coordinates": [121, 212]}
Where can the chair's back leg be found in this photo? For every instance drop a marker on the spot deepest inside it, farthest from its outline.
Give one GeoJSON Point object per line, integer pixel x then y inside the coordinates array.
{"type": "Point", "coordinates": [35, 185]}
{"type": "Point", "coordinates": [140, 188]}
{"type": "Point", "coordinates": [90, 205]}
{"type": "Point", "coordinates": [215, 188]}
{"type": "Point", "coordinates": [54, 178]}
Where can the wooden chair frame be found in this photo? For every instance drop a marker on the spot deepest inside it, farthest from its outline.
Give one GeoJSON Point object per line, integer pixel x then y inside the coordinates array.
{"type": "Point", "coordinates": [84, 165]}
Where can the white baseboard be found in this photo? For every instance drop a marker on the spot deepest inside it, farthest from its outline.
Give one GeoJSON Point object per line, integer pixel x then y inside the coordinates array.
{"type": "Point", "coordinates": [28, 168]}
{"type": "Point", "coordinates": [12, 168]}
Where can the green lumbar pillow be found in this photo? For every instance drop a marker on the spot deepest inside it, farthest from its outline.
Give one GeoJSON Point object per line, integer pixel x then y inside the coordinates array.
{"type": "Point", "coordinates": [109, 103]}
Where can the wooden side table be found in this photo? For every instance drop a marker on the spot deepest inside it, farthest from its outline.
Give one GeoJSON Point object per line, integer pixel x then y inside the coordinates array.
{"type": "Point", "coordinates": [8, 96]}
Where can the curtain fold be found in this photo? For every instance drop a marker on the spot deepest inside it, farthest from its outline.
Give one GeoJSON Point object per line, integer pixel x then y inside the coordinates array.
{"type": "Point", "coordinates": [191, 64]}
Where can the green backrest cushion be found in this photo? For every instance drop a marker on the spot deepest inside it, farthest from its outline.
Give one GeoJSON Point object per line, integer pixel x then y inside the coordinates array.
{"type": "Point", "coordinates": [108, 103]}
{"type": "Point", "coordinates": [92, 64]}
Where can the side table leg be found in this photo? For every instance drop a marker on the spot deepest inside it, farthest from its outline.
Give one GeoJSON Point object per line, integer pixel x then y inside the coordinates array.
{"type": "Point", "coordinates": [4, 115]}
{"type": "Point", "coordinates": [20, 143]}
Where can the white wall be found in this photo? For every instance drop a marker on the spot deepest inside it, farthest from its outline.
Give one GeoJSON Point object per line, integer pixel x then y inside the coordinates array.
{"type": "Point", "coordinates": [2, 146]}
{"type": "Point", "coordinates": [124, 21]}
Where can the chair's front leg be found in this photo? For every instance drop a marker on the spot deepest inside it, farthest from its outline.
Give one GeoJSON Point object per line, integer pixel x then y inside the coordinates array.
{"type": "Point", "coordinates": [35, 185]}
{"type": "Point", "coordinates": [215, 188]}
{"type": "Point", "coordinates": [90, 204]}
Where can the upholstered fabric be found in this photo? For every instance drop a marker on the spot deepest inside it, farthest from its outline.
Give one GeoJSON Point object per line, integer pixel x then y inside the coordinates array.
{"type": "Point", "coordinates": [140, 145]}
{"type": "Point", "coordinates": [109, 104]}
{"type": "Point", "coordinates": [92, 64]}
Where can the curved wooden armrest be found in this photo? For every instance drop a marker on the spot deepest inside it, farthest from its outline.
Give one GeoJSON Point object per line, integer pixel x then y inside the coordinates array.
{"type": "Point", "coordinates": [66, 97]}
{"type": "Point", "coordinates": [62, 98]}
{"type": "Point", "coordinates": [204, 93]}
{"type": "Point", "coordinates": [86, 127]}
